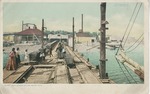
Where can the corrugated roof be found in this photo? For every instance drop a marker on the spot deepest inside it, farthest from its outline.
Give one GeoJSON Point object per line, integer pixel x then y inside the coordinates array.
{"type": "Point", "coordinates": [31, 32]}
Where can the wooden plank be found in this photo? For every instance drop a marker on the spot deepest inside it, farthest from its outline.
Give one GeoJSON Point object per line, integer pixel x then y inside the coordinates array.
{"type": "Point", "coordinates": [61, 75]}
{"type": "Point", "coordinates": [45, 66]}
{"type": "Point", "coordinates": [77, 60]}
{"type": "Point", "coordinates": [75, 76]}
{"type": "Point", "coordinates": [7, 73]}
{"type": "Point", "coordinates": [87, 75]}
{"type": "Point", "coordinates": [39, 76]}
{"type": "Point", "coordinates": [15, 76]}
{"type": "Point", "coordinates": [83, 60]}
{"type": "Point", "coordinates": [51, 77]}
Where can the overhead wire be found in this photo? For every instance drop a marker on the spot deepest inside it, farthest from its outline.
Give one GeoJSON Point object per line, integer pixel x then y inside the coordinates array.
{"type": "Point", "coordinates": [127, 27]}
{"type": "Point", "coordinates": [126, 40]}
{"type": "Point", "coordinates": [135, 42]}
{"type": "Point", "coordinates": [135, 46]}
{"type": "Point", "coordinates": [132, 25]}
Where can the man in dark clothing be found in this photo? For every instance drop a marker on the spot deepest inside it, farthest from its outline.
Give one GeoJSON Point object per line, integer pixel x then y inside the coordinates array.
{"type": "Point", "coordinates": [51, 51]}
{"type": "Point", "coordinates": [17, 58]}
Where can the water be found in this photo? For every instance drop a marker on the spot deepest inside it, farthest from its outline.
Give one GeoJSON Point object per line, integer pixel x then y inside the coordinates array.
{"type": "Point", "coordinates": [112, 67]}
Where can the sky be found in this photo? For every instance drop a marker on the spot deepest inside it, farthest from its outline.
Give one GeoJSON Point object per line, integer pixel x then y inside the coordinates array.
{"type": "Point", "coordinates": [58, 16]}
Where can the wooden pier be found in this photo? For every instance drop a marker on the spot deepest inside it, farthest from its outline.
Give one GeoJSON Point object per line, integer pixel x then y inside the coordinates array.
{"type": "Point", "coordinates": [55, 71]}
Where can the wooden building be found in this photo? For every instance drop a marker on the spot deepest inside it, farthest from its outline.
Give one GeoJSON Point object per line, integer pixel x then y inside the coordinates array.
{"type": "Point", "coordinates": [84, 37]}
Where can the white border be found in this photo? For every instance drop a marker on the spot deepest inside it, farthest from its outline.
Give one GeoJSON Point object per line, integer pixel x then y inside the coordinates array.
{"type": "Point", "coordinates": [78, 88]}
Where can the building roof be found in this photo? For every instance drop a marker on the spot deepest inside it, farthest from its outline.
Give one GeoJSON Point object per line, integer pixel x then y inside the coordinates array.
{"type": "Point", "coordinates": [31, 32]}
{"type": "Point", "coordinates": [83, 34]}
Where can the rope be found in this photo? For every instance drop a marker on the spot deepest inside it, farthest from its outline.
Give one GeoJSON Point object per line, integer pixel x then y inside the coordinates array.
{"type": "Point", "coordinates": [127, 71]}
{"type": "Point", "coordinates": [132, 25]}
{"type": "Point", "coordinates": [122, 70]}
{"type": "Point", "coordinates": [136, 46]}
{"type": "Point", "coordinates": [127, 28]}
{"type": "Point", "coordinates": [135, 42]}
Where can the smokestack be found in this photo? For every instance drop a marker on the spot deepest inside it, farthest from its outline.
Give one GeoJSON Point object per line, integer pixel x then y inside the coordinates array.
{"type": "Point", "coordinates": [82, 23]}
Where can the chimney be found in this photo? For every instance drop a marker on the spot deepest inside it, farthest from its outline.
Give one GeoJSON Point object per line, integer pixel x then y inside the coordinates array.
{"type": "Point", "coordinates": [82, 23]}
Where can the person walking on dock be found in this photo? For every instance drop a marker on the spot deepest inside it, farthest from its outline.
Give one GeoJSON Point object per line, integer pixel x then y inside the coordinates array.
{"type": "Point", "coordinates": [17, 58]}
{"type": "Point", "coordinates": [11, 65]}
{"type": "Point", "coordinates": [59, 50]}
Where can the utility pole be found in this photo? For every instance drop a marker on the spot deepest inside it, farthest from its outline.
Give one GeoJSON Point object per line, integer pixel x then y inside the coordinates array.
{"type": "Point", "coordinates": [73, 33]}
{"type": "Point", "coordinates": [42, 33]}
{"type": "Point", "coordinates": [103, 42]}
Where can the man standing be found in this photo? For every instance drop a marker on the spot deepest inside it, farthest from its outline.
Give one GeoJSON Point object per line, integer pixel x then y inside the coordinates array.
{"type": "Point", "coordinates": [51, 51]}
{"type": "Point", "coordinates": [17, 58]}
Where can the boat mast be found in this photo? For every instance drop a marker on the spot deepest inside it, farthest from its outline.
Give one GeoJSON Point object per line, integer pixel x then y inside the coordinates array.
{"type": "Point", "coordinates": [103, 42]}
{"type": "Point", "coordinates": [73, 32]}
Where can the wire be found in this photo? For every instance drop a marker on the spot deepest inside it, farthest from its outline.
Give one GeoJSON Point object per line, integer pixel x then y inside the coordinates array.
{"type": "Point", "coordinates": [132, 25]}
{"type": "Point", "coordinates": [135, 46]}
{"type": "Point", "coordinates": [135, 42]}
{"type": "Point", "coordinates": [127, 27]}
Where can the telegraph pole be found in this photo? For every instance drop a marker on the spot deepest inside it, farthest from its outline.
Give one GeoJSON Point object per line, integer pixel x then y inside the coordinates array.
{"type": "Point", "coordinates": [103, 42]}
{"type": "Point", "coordinates": [73, 33]}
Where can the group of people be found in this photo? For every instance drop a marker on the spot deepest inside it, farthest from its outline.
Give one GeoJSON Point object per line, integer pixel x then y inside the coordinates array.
{"type": "Point", "coordinates": [14, 56]}
{"type": "Point", "coordinates": [14, 59]}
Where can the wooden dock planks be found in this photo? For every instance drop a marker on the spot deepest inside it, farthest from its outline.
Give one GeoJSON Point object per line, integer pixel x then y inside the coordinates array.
{"type": "Point", "coordinates": [7, 73]}
{"type": "Point", "coordinates": [87, 75]}
{"type": "Point", "coordinates": [83, 69]}
{"type": "Point", "coordinates": [61, 75]}
{"type": "Point", "coordinates": [75, 76]}
{"type": "Point", "coordinates": [16, 75]}
{"type": "Point", "coordinates": [40, 76]}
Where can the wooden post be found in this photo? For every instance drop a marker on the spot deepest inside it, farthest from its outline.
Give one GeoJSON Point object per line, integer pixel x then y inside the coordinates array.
{"type": "Point", "coordinates": [102, 43]}
{"type": "Point", "coordinates": [42, 33]}
{"type": "Point", "coordinates": [73, 34]}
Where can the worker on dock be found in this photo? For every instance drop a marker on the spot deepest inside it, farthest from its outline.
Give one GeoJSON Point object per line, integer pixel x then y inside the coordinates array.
{"type": "Point", "coordinates": [42, 55]}
{"type": "Point", "coordinates": [59, 50]}
{"type": "Point", "coordinates": [11, 65]}
{"type": "Point", "coordinates": [50, 50]}
{"type": "Point", "coordinates": [17, 58]}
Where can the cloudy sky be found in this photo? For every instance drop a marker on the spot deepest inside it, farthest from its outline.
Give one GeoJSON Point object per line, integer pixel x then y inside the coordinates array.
{"type": "Point", "coordinates": [58, 16]}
